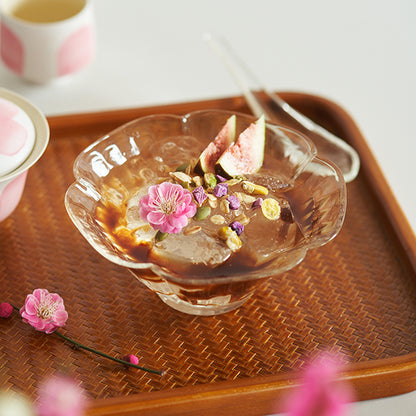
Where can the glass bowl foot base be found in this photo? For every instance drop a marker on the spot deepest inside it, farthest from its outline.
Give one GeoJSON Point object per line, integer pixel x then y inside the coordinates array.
{"type": "Point", "coordinates": [204, 309]}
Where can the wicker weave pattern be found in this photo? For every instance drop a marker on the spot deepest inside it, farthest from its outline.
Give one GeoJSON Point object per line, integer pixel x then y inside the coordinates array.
{"type": "Point", "coordinates": [353, 295]}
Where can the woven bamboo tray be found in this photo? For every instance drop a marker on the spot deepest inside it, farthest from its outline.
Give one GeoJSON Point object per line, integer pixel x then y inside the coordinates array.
{"type": "Point", "coordinates": [356, 295]}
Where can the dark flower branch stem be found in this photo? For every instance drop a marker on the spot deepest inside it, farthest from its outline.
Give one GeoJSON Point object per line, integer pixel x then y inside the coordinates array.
{"type": "Point", "coordinates": [102, 354]}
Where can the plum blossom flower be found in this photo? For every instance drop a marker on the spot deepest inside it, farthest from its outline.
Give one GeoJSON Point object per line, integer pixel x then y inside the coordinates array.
{"type": "Point", "coordinates": [321, 393]}
{"type": "Point", "coordinates": [60, 395]}
{"type": "Point", "coordinates": [167, 207]}
{"type": "Point", "coordinates": [44, 311]}
{"type": "Point", "coordinates": [6, 310]}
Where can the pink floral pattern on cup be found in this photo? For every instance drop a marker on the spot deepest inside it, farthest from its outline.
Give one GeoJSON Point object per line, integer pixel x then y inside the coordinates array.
{"type": "Point", "coordinates": [12, 51]}
{"type": "Point", "coordinates": [76, 51]}
{"type": "Point", "coordinates": [8, 109]}
{"type": "Point", "coordinates": [13, 135]}
{"type": "Point", "coordinates": [11, 195]}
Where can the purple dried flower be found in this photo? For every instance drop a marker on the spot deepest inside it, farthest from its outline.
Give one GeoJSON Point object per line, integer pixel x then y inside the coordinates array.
{"type": "Point", "coordinates": [234, 202]}
{"type": "Point", "coordinates": [220, 190]}
{"type": "Point", "coordinates": [257, 203]}
{"type": "Point", "coordinates": [199, 195]}
{"type": "Point", "coordinates": [237, 227]}
{"type": "Point", "coordinates": [220, 178]}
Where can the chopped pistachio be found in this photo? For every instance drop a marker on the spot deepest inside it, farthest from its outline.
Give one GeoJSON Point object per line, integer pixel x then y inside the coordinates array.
{"type": "Point", "coordinates": [210, 180]}
{"type": "Point", "coordinates": [202, 213]}
{"type": "Point", "coordinates": [180, 177]}
{"type": "Point", "coordinates": [183, 167]}
{"type": "Point", "coordinates": [160, 236]}
{"type": "Point", "coordinates": [197, 180]}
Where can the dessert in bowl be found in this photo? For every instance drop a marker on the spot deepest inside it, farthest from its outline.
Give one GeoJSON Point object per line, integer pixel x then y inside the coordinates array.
{"type": "Point", "coordinates": [203, 208]}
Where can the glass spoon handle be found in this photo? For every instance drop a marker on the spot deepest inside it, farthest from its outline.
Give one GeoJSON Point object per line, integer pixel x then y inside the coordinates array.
{"type": "Point", "coordinates": [328, 145]}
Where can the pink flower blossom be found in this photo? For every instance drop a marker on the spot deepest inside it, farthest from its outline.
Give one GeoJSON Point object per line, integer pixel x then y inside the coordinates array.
{"type": "Point", "coordinates": [6, 310]}
{"type": "Point", "coordinates": [60, 395]}
{"type": "Point", "coordinates": [321, 393]}
{"type": "Point", "coordinates": [44, 311]}
{"type": "Point", "coordinates": [167, 207]}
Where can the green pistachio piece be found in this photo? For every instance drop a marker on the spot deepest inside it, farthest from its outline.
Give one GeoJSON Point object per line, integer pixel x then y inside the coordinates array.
{"type": "Point", "coordinates": [210, 180]}
{"type": "Point", "coordinates": [202, 213]}
{"type": "Point", "coordinates": [183, 167]}
{"type": "Point", "coordinates": [160, 236]}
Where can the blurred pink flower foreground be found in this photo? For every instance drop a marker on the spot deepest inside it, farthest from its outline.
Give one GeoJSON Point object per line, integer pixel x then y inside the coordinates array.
{"type": "Point", "coordinates": [167, 207]}
{"type": "Point", "coordinates": [321, 393]}
{"type": "Point", "coordinates": [60, 395]}
{"type": "Point", "coordinates": [44, 311]}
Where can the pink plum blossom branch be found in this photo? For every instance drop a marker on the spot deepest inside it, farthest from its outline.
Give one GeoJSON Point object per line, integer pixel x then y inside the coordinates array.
{"type": "Point", "coordinates": [45, 312]}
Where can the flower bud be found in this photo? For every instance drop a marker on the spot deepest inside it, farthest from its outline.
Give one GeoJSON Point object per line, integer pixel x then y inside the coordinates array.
{"type": "Point", "coordinates": [132, 359]}
{"type": "Point", "coordinates": [5, 310]}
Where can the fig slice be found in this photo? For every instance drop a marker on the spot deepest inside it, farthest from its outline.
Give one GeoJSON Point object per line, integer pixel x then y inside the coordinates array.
{"type": "Point", "coordinates": [216, 148]}
{"type": "Point", "coordinates": [246, 155]}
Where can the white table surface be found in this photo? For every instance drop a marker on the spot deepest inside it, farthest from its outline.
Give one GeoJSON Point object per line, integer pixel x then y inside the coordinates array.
{"type": "Point", "coordinates": [358, 53]}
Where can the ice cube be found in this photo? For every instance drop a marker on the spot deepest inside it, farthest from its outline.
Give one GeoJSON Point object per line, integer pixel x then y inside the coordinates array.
{"type": "Point", "coordinates": [198, 249]}
{"type": "Point", "coordinates": [142, 230]}
{"type": "Point", "coordinates": [264, 239]}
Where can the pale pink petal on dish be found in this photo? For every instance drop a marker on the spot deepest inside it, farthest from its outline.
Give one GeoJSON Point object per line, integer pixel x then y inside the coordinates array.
{"type": "Point", "coordinates": [11, 50]}
{"type": "Point", "coordinates": [13, 136]}
{"type": "Point", "coordinates": [11, 194]}
{"type": "Point", "coordinates": [7, 109]}
{"type": "Point", "coordinates": [77, 51]}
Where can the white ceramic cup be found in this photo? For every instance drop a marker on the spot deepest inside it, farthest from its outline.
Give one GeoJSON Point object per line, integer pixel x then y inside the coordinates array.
{"type": "Point", "coordinates": [44, 39]}
{"type": "Point", "coordinates": [18, 151]}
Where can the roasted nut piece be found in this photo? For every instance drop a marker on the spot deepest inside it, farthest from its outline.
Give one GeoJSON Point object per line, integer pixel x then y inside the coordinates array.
{"type": "Point", "coordinates": [212, 201]}
{"type": "Point", "coordinates": [230, 237]}
{"type": "Point", "coordinates": [254, 189]}
{"type": "Point", "coordinates": [180, 177]}
{"type": "Point", "coordinates": [243, 219]}
{"type": "Point", "coordinates": [217, 219]}
{"type": "Point", "coordinates": [225, 206]}
{"type": "Point", "coordinates": [192, 230]}
{"type": "Point", "coordinates": [234, 181]}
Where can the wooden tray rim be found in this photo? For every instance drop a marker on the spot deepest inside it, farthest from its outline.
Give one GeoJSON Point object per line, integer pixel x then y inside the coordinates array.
{"type": "Point", "coordinates": [371, 379]}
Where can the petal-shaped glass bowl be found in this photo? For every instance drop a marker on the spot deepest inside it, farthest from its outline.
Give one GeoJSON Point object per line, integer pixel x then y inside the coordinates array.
{"type": "Point", "coordinates": [110, 170]}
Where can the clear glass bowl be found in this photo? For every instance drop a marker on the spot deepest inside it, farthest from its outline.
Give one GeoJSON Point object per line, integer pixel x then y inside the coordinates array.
{"type": "Point", "coordinates": [108, 173]}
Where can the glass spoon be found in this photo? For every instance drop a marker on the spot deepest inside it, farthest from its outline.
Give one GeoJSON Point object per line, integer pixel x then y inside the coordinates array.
{"type": "Point", "coordinates": [328, 145]}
